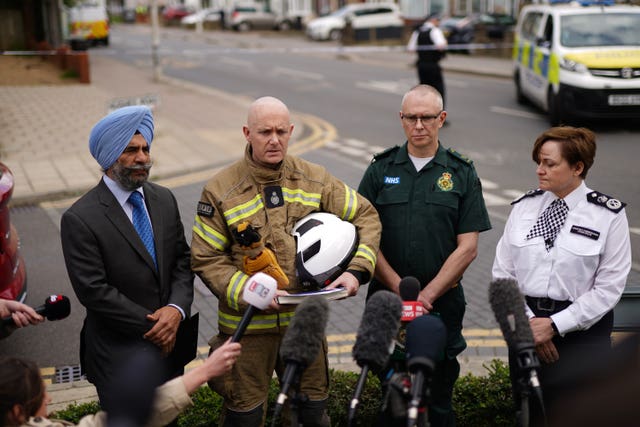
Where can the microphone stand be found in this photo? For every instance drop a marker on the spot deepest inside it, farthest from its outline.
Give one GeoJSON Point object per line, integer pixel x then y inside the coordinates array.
{"type": "Point", "coordinates": [295, 397]}
{"type": "Point", "coordinates": [528, 382]}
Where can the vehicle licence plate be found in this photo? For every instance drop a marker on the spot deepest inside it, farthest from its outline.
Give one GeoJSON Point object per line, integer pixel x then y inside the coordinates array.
{"type": "Point", "coordinates": [624, 99]}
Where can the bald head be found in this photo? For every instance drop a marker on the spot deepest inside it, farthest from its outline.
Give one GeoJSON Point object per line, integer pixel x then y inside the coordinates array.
{"type": "Point", "coordinates": [268, 130]}
{"type": "Point", "coordinates": [428, 94]}
{"type": "Point", "coordinates": [266, 105]}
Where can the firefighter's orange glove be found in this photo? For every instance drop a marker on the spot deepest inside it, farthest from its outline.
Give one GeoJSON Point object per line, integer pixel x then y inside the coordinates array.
{"type": "Point", "coordinates": [258, 258]}
{"type": "Point", "coordinates": [267, 263]}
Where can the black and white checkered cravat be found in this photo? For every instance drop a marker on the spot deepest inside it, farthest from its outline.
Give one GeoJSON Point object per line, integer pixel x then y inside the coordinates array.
{"type": "Point", "coordinates": [550, 222]}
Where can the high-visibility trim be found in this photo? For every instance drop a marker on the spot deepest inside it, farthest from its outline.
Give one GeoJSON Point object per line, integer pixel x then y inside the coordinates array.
{"type": "Point", "coordinates": [209, 235]}
{"type": "Point", "coordinates": [296, 195]}
{"type": "Point", "coordinates": [554, 69]}
{"type": "Point", "coordinates": [258, 321]}
{"type": "Point", "coordinates": [244, 210]}
{"type": "Point", "coordinates": [365, 252]}
{"type": "Point", "coordinates": [350, 204]}
{"type": "Point", "coordinates": [236, 285]}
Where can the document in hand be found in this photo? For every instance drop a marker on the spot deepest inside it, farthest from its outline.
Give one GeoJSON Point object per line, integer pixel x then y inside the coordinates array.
{"type": "Point", "coordinates": [328, 294]}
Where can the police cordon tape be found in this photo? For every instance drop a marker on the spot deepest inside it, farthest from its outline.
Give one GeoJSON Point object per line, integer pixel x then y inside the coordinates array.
{"type": "Point", "coordinates": [306, 49]}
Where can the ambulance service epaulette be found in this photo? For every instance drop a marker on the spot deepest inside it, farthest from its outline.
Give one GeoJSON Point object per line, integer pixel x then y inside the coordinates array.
{"type": "Point", "coordinates": [530, 193]}
{"type": "Point", "coordinates": [597, 198]}
{"type": "Point", "coordinates": [383, 154]}
{"type": "Point", "coordinates": [458, 155]}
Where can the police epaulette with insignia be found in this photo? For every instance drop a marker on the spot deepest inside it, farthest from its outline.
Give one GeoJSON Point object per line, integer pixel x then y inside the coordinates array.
{"type": "Point", "coordinates": [460, 156]}
{"type": "Point", "coordinates": [530, 193]}
{"type": "Point", "coordinates": [384, 153]}
{"type": "Point", "coordinates": [597, 198]}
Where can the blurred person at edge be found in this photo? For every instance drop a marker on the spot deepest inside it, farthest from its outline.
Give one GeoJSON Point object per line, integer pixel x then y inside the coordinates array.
{"type": "Point", "coordinates": [430, 44]}
{"type": "Point", "coordinates": [568, 247]}
{"type": "Point", "coordinates": [22, 316]}
{"type": "Point", "coordinates": [24, 397]}
{"type": "Point", "coordinates": [432, 211]}
{"type": "Point", "coordinates": [273, 191]}
{"type": "Point", "coordinates": [137, 291]}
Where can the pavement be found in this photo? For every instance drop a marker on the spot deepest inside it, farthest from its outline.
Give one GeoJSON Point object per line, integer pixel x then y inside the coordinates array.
{"type": "Point", "coordinates": [198, 129]}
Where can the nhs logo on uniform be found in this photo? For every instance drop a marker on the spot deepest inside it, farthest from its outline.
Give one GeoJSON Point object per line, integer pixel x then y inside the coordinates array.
{"type": "Point", "coordinates": [392, 180]}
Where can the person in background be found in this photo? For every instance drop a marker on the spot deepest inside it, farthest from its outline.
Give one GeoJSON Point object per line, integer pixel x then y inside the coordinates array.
{"type": "Point", "coordinates": [271, 191]}
{"type": "Point", "coordinates": [430, 44]}
{"type": "Point", "coordinates": [126, 254]}
{"type": "Point", "coordinates": [24, 397]}
{"type": "Point", "coordinates": [431, 207]}
{"type": "Point", "coordinates": [22, 316]}
{"type": "Point", "coordinates": [568, 247]}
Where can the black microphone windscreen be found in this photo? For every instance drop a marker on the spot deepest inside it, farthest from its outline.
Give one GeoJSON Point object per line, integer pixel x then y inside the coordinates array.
{"type": "Point", "coordinates": [129, 395]}
{"type": "Point", "coordinates": [507, 304]}
{"type": "Point", "coordinates": [378, 327]}
{"type": "Point", "coordinates": [426, 339]}
{"type": "Point", "coordinates": [55, 307]}
{"type": "Point", "coordinates": [409, 288]}
{"type": "Point", "coordinates": [303, 339]}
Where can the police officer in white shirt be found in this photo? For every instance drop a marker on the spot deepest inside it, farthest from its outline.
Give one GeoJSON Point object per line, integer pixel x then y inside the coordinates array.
{"type": "Point", "coordinates": [568, 248]}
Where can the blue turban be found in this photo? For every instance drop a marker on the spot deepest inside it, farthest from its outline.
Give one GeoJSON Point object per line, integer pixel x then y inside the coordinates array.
{"type": "Point", "coordinates": [111, 135]}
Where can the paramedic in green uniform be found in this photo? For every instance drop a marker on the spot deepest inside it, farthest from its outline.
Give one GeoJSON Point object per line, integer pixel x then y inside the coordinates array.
{"type": "Point", "coordinates": [431, 207]}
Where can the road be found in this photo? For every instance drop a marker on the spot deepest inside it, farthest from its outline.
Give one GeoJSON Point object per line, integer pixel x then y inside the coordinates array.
{"type": "Point", "coordinates": [361, 100]}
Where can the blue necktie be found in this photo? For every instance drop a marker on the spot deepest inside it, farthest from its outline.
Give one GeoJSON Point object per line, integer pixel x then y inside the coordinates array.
{"type": "Point", "coordinates": [142, 224]}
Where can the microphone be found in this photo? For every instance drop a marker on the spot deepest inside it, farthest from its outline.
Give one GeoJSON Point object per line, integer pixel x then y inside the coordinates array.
{"type": "Point", "coordinates": [374, 341]}
{"type": "Point", "coordinates": [426, 339]}
{"type": "Point", "coordinates": [129, 396]}
{"type": "Point", "coordinates": [409, 290]}
{"type": "Point", "coordinates": [258, 293]}
{"type": "Point", "coordinates": [55, 307]}
{"type": "Point", "coordinates": [301, 344]}
{"type": "Point", "coordinates": [507, 304]}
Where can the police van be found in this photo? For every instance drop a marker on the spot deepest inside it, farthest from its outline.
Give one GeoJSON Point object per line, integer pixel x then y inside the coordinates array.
{"type": "Point", "coordinates": [579, 60]}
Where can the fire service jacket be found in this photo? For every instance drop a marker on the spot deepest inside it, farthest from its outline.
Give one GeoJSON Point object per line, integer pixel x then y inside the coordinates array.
{"type": "Point", "coordinates": [272, 200]}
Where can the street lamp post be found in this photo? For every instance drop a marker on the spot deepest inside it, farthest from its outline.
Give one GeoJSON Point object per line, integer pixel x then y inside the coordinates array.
{"type": "Point", "coordinates": [155, 34]}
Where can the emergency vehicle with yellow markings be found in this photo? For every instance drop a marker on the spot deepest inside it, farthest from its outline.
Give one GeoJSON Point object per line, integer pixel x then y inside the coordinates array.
{"type": "Point", "coordinates": [89, 21]}
{"type": "Point", "coordinates": [579, 60]}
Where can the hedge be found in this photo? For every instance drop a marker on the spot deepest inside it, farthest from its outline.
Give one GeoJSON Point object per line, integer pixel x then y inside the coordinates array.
{"type": "Point", "coordinates": [477, 400]}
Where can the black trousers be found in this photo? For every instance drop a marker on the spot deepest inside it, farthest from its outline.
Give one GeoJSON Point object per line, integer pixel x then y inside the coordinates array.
{"type": "Point", "coordinates": [430, 74]}
{"type": "Point", "coordinates": [579, 351]}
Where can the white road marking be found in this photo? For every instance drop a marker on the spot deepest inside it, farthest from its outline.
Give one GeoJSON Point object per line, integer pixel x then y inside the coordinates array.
{"type": "Point", "coordinates": [512, 193]}
{"type": "Point", "coordinates": [517, 113]}
{"type": "Point", "coordinates": [236, 62]}
{"type": "Point", "coordinates": [493, 200]}
{"type": "Point", "coordinates": [488, 185]}
{"type": "Point", "coordinates": [297, 73]}
{"type": "Point", "coordinates": [387, 86]}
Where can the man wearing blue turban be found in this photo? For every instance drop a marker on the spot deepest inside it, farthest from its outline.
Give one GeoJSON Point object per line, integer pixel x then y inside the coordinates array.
{"type": "Point", "coordinates": [127, 257]}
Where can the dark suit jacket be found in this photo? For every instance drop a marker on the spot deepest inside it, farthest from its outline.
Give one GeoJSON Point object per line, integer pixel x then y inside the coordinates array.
{"type": "Point", "coordinates": [114, 277]}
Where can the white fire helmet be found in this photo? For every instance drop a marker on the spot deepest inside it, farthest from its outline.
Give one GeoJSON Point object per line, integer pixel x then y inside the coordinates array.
{"type": "Point", "coordinates": [325, 246]}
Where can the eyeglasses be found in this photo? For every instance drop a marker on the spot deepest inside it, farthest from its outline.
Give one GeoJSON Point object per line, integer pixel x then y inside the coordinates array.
{"type": "Point", "coordinates": [426, 120]}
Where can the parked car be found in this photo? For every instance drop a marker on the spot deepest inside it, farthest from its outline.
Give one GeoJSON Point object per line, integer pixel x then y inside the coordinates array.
{"type": "Point", "coordinates": [13, 277]}
{"type": "Point", "coordinates": [459, 30]}
{"type": "Point", "coordinates": [497, 24]}
{"type": "Point", "coordinates": [360, 15]}
{"type": "Point", "coordinates": [202, 16]}
{"type": "Point", "coordinates": [245, 17]}
{"type": "Point", "coordinates": [171, 15]}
